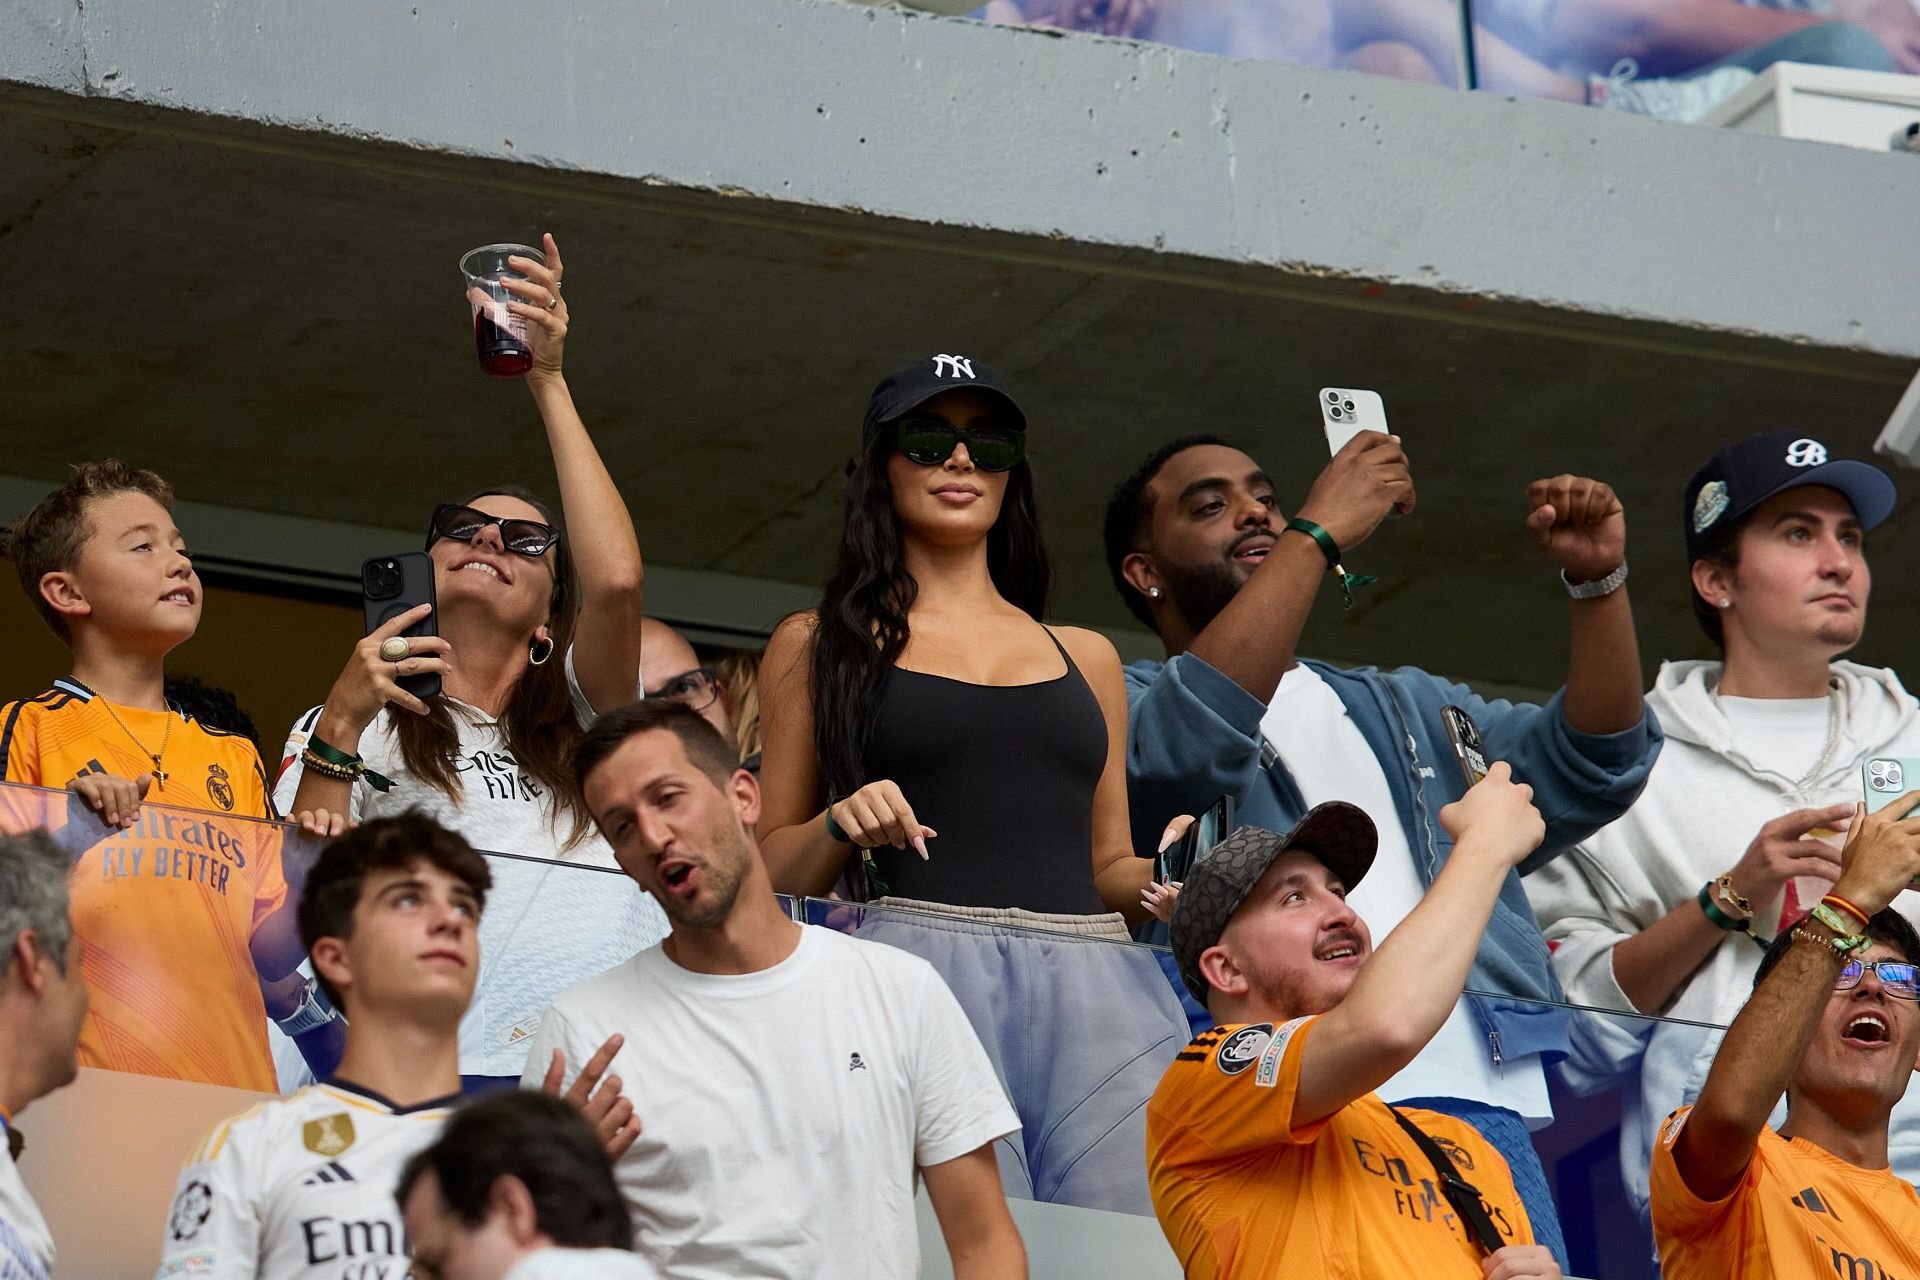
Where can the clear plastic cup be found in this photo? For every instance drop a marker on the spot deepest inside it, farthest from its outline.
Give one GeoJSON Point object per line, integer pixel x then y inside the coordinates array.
{"type": "Point", "coordinates": [499, 337]}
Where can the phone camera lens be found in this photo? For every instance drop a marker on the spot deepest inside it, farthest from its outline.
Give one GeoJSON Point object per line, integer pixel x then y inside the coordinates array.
{"type": "Point", "coordinates": [1347, 405]}
{"type": "Point", "coordinates": [1335, 412]}
{"type": "Point", "coordinates": [1333, 397]}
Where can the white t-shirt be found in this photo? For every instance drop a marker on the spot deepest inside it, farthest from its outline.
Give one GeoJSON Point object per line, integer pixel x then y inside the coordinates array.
{"type": "Point", "coordinates": [299, 1188]}
{"type": "Point", "coordinates": [547, 924]}
{"type": "Point", "coordinates": [783, 1114]}
{"type": "Point", "coordinates": [582, 1264]}
{"type": "Point", "coordinates": [26, 1245]}
{"type": "Point", "coordinates": [1329, 759]}
{"type": "Point", "coordinates": [1783, 735]}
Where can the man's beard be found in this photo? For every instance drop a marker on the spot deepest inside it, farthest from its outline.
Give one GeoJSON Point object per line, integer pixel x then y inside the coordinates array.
{"type": "Point", "coordinates": [724, 873]}
{"type": "Point", "coordinates": [1200, 592]}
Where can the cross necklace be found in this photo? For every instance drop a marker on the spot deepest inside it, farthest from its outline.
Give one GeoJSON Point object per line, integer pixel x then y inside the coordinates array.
{"type": "Point", "coordinates": [159, 774]}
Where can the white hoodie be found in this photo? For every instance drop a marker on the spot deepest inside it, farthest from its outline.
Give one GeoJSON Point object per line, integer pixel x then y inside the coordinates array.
{"type": "Point", "coordinates": [1701, 809]}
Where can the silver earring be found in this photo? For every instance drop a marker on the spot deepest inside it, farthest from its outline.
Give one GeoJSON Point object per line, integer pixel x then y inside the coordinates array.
{"type": "Point", "coordinates": [1725, 603]}
{"type": "Point", "coordinates": [1153, 593]}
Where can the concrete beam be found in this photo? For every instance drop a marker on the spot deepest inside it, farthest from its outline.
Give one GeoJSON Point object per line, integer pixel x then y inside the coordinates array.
{"type": "Point", "coordinates": [821, 104]}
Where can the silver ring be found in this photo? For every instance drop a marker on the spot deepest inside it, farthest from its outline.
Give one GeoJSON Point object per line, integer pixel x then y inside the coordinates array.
{"type": "Point", "coordinates": [553, 301]}
{"type": "Point", "coordinates": [395, 649]}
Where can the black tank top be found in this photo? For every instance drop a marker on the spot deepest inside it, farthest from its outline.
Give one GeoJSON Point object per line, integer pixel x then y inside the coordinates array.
{"type": "Point", "coordinates": [1006, 775]}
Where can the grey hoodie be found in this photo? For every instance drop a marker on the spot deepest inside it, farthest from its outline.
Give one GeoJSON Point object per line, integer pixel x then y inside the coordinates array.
{"type": "Point", "coordinates": [1701, 809]}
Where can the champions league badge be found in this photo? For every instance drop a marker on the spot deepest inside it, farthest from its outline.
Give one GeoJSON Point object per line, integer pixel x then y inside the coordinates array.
{"type": "Point", "coordinates": [329, 1135]}
{"type": "Point", "coordinates": [191, 1208]}
{"type": "Point", "coordinates": [1710, 505]}
{"type": "Point", "coordinates": [1242, 1049]}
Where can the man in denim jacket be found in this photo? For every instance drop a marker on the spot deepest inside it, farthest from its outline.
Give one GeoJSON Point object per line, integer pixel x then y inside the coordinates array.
{"type": "Point", "coordinates": [1201, 552]}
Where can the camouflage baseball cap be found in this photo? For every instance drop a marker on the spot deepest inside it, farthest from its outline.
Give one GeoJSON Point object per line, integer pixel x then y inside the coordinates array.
{"type": "Point", "coordinates": [1339, 834]}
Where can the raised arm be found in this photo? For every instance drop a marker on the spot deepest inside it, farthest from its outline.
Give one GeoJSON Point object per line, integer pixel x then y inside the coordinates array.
{"type": "Point", "coordinates": [1117, 874]}
{"type": "Point", "coordinates": [1582, 527]}
{"type": "Point", "coordinates": [1252, 640]}
{"type": "Point", "coordinates": [1773, 1029]}
{"type": "Point", "coordinates": [1409, 986]}
{"type": "Point", "coordinates": [606, 554]}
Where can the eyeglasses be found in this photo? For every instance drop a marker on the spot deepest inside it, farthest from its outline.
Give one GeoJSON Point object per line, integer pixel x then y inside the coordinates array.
{"type": "Point", "coordinates": [463, 524]}
{"type": "Point", "coordinates": [1896, 977]}
{"type": "Point", "coordinates": [929, 440]}
{"type": "Point", "coordinates": [695, 690]}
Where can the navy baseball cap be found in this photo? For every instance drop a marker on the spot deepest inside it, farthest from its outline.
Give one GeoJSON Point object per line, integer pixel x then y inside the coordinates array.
{"type": "Point", "coordinates": [1341, 835]}
{"type": "Point", "coordinates": [909, 387]}
{"type": "Point", "coordinates": [1745, 474]}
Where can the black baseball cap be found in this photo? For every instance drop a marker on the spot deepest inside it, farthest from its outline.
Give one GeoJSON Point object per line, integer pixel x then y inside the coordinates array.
{"type": "Point", "coordinates": [1745, 474]}
{"type": "Point", "coordinates": [1341, 835]}
{"type": "Point", "coordinates": [909, 387]}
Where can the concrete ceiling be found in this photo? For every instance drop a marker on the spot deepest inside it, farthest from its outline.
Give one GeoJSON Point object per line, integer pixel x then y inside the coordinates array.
{"type": "Point", "coordinates": [275, 321]}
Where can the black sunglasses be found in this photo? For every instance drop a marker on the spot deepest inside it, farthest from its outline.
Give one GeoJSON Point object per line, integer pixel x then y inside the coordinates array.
{"type": "Point", "coordinates": [929, 440]}
{"type": "Point", "coordinates": [463, 524]}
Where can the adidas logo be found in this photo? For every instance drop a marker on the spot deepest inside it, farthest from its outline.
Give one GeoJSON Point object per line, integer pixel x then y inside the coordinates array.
{"type": "Point", "coordinates": [1810, 1201]}
{"type": "Point", "coordinates": [331, 1171]}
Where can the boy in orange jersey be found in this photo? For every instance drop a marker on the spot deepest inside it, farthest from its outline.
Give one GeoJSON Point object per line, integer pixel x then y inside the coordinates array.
{"type": "Point", "coordinates": [179, 919]}
{"type": "Point", "coordinates": [1831, 1023]}
{"type": "Point", "coordinates": [1268, 1152]}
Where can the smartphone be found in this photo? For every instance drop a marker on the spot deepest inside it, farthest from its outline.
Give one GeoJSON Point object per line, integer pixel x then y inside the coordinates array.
{"type": "Point", "coordinates": [391, 585]}
{"type": "Point", "coordinates": [1887, 778]}
{"type": "Point", "coordinates": [1468, 750]}
{"type": "Point", "coordinates": [1208, 830]}
{"type": "Point", "coordinates": [1347, 412]}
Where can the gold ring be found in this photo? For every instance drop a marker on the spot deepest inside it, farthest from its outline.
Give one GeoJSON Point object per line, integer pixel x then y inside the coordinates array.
{"type": "Point", "coordinates": [395, 649]}
{"type": "Point", "coordinates": [553, 301]}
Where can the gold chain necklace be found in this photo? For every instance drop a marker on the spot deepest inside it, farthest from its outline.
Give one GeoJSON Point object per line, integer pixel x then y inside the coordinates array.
{"type": "Point", "coordinates": [159, 774]}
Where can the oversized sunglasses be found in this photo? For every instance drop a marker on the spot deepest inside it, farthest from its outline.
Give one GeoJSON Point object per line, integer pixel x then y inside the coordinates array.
{"type": "Point", "coordinates": [694, 690]}
{"type": "Point", "coordinates": [463, 524]}
{"type": "Point", "coordinates": [1896, 977]}
{"type": "Point", "coordinates": [930, 440]}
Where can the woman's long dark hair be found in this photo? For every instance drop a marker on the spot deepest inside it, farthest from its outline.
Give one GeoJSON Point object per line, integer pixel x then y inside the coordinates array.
{"type": "Point", "coordinates": [862, 625]}
{"type": "Point", "coordinates": [538, 723]}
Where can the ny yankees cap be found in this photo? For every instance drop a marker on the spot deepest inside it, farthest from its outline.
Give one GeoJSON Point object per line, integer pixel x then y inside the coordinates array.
{"type": "Point", "coordinates": [1341, 835]}
{"type": "Point", "coordinates": [909, 387]}
{"type": "Point", "coordinates": [1745, 474]}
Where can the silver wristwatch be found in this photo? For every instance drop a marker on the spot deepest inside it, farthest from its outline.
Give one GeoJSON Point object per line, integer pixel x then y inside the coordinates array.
{"type": "Point", "coordinates": [1598, 587]}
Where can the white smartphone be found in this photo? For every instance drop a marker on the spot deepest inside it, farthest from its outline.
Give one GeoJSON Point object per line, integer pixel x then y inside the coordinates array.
{"type": "Point", "coordinates": [1347, 412]}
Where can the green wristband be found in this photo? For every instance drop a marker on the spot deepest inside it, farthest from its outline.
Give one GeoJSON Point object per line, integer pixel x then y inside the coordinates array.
{"type": "Point", "coordinates": [1845, 940]}
{"type": "Point", "coordinates": [334, 755]}
{"type": "Point", "coordinates": [1712, 908]}
{"type": "Point", "coordinates": [834, 829]}
{"type": "Point", "coordinates": [1331, 550]}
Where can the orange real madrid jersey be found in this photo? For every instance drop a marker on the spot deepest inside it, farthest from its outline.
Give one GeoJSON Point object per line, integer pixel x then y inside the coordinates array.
{"type": "Point", "coordinates": [1243, 1193]}
{"type": "Point", "coordinates": [167, 909]}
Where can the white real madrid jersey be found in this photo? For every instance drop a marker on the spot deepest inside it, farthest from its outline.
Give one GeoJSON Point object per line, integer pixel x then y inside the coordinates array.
{"type": "Point", "coordinates": [26, 1246]}
{"type": "Point", "coordinates": [300, 1188]}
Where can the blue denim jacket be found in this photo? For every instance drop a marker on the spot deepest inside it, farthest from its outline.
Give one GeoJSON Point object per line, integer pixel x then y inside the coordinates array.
{"type": "Point", "coordinates": [1194, 735]}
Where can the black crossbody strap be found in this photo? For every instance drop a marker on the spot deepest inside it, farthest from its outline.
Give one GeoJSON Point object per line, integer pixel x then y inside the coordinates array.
{"type": "Point", "coordinates": [1461, 1194]}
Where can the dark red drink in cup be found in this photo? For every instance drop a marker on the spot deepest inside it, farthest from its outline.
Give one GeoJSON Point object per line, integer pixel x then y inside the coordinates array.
{"type": "Point", "coordinates": [499, 337]}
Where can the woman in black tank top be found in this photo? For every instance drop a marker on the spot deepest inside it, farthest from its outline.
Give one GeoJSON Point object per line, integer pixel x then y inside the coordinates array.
{"type": "Point", "coordinates": [925, 734]}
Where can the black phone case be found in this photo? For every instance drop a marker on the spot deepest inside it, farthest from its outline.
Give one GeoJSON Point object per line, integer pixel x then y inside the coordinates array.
{"type": "Point", "coordinates": [391, 585]}
{"type": "Point", "coordinates": [1213, 826]}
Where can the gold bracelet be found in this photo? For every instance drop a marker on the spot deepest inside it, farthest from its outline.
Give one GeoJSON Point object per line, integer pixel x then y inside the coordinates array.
{"type": "Point", "coordinates": [1729, 896]}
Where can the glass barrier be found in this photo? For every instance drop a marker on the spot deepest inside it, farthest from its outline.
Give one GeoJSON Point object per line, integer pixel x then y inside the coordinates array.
{"type": "Point", "coordinates": [1634, 56]}
{"type": "Point", "coordinates": [190, 950]}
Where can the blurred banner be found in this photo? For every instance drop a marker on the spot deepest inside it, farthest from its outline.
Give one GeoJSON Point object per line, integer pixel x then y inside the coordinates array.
{"type": "Point", "coordinates": [1635, 56]}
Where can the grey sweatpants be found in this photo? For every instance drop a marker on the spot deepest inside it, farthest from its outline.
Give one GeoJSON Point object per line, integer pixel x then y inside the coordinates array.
{"type": "Point", "coordinates": [1079, 1029]}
